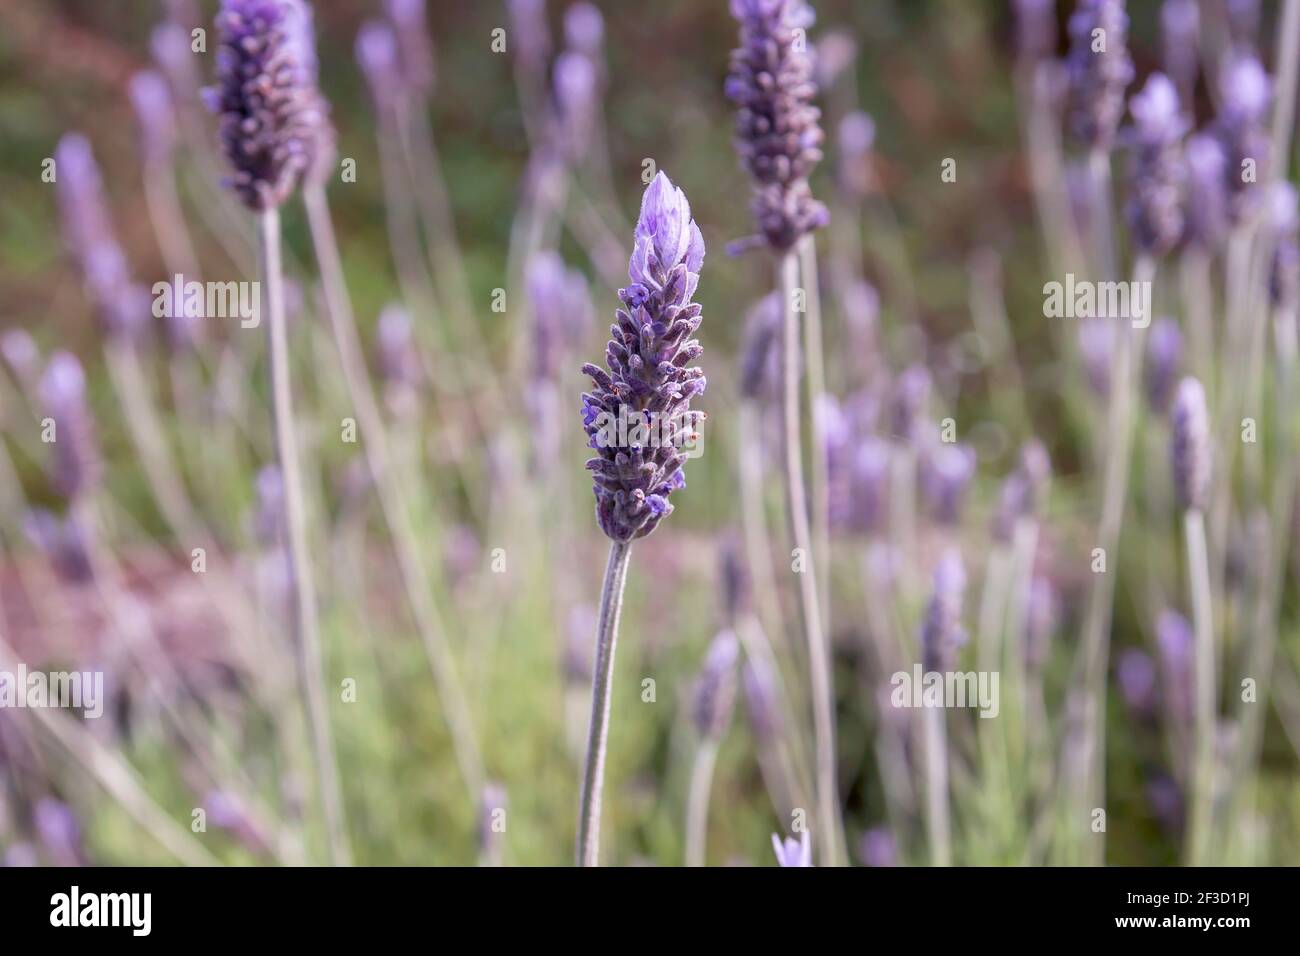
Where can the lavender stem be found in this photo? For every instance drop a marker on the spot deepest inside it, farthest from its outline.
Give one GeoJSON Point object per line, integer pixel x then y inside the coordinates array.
{"type": "Point", "coordinates": [379, 461]}
{"type": "Point", "coordinates": [593, 774]}
{"type": "Point", "coordinates": [697, 801]}
{"type": "Point", "coordinates": [828, 827]}
{"type": "Point", "coordinates": [1203, 773]}
{"type": "Point", "coordinates": [816, 367]}
{"type": "Point", "coordinates": [306, 629]}
{"type": "Point", "coordinates": [937, 828]}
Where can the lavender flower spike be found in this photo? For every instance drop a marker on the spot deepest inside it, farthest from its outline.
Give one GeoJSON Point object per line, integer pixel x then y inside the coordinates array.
{"type": "Point", "coordinates": [1158, 177]}
{"type": "Point", "coordinates": [649, 381]}
{"type": "Point", "coordinates": [76, 465]}
{"type": "Point", "coordinates": [778, 135]}
{"type": "Point", "coordinates": [1190, 448]}
{"type": "Point", "coordinates": [715, 689]}
{"type": "Point", "coordinates": [941, 631]}
{"type": "Point", "coordinates": [1098, 70]}
{"type": "Point", "coordinates": [792, 853]}
{"type": "Point", "coordinates": [274, 127]}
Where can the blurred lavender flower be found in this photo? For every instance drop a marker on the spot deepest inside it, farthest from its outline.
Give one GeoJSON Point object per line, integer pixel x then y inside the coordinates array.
{"type": "Point", "coordinates": [1098, 70]}
{"type": "Point", "coordinates": [268, 523]}
{"type": "Point", "coordinates": [491, 823]}
{"type": "Point", "coordinates": [59, 832]}
{"type": "Point", "coordinates": [909, 402]}
{"type": "Point", "coordinates": [860, 303]}
{"type": "Point", "coordinates": [560, 317]}
{"type": "Point", "coordinates": [778, 136]}
{"type": "Point", "coordinates": [398, 360]}
{"type": "Point", "coordinates": [833, 54]}
{"type": "Point", "coordinates": [1243, 22]}
{"type": "Point", "coordinates": [941, 630]}
{"type": "Point", "coordinates": [170, 45]}
{"type": "Point", "coordinates": [792, 852]}
{"type": "Point", "coordinates": [1042, 617]}
{"type": "Point", "coordinates": [63, 542]}
{"type": "Point", "coordinates": [1166, 799]}
{"type": "Point", "coordinates": [416, 50]}
{"type": "Point", "coordinates": [576, 97]}
{"type": "Point", "coordinates": [946, 472]}
{"type": "Point", "coordinates": [1022, 491]}
{"type": "Point", "coordinates": [377, 55]}
{"type": "Point", "coordinates": [226, 811]}
{"type": "Point", "coordinates": [1180, 29]}
{"type": "Point", "coordinates": [462, 555]}
{"type": "Point", "coordinates": [857, 137]}
{"type": "Point", "coordinates": [76, 466]}
{"type": "Point", "coordinates": [152, 102]}
{"type": "Point", "coordinates": [715, 689]}
{"type": "Point", "coordinates": [123, 306]}
{"type": "Point", "coordinates": [584, 30]}
{"type": "Point", "coordinates": [1284, 270]}
{"type": "Point", "coordinates": [1136, 676]}
{"type": "Point", "coordinates": [878, 848]}
{"type": "Point", "coordinates": [274, 126]}
{"type": "Point", "coordinates": [733, 579]}
{"type": "Point", "coordinates": [760, 701]}
{"type": "Point", "coordinates": [1245, 93]}
{"type": "Point", "coordinates": [1190, 445]}
{"type": "Point", "coordinates": [760, 370]}
{"type": "Point", "coordinates": [1096, 346]}
{"type": "Point", "coordinates": [528, 32]}
{"type": "Point", "coordinates": [1035, 29]}
{"type": "Point", "coordinates": [1164, 363]}
{"type": "Point", "coordinates": [576, 662]}
{"type": "Point", "coordinates": [648, 372]}
{"type": "Point", "coordinates": [1174, 642]}
{"type": "Point", "coordinates": [1157, 177]}
{"type": "Point", "coordinates": [1207, 192]}
{"type": "Point", "coordinates": [20, 352]}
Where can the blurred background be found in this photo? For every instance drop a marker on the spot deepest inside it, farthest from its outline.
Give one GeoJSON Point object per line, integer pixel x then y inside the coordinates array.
{"type": "Point", "coordinates": [205, 711]}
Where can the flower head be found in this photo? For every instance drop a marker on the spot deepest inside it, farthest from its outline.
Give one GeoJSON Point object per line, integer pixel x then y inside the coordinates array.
{"type": "Point", "coordinates": [1098, 70]}
{"type": "Point", "coordinates": [1190, 445]}
{"type": "Point", "coordinates": [274, 124]}
{"type": "Point", "coordinates": [638, 416]}
{"type": "Point", "coordinates": [715, 688]}
{"type": "Point", "coordinates": [778, 133]}
{"type": "Point", "coordinates": [941, 631]}
{"type": "Point", "coordinates": [416, 52]}
{"type": "Point", "coordinates": [75, 466]}
{"type": "Point", "coordinates": [1164, 362]}
{"type": "Point", "coordinates": [1245, 93]}
{"type": "Point", "coordinates": [791, 852]}
{"type": "Point", "coordinates": [1157, 179]}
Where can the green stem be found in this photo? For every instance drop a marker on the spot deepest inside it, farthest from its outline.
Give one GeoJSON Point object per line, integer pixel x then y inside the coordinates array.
{"type": "Point", "coordinates": [593, 775]}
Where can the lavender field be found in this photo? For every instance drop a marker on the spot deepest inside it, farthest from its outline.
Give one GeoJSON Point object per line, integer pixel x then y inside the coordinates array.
{"type": "Point", "coordinates": [712, 432]}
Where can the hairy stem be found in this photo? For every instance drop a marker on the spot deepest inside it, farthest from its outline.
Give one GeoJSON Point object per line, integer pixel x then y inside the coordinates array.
{"type": "Point", "coordinates": [827, 825]}
{"type": "Point", "coordinates": [305, 624]}
{"type": "Point", "coordinates": [593, 774]}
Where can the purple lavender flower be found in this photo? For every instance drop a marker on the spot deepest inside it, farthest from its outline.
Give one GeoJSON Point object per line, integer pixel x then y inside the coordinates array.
{"type": "Point", "coordinates": [1096, 346]}
{"type": "Point", "coordinates": [1284, 270]}
{"type": "Point", "coordinates": [878, 848]}
{"type": "Point", "coordinates": [778, 135]}
{"type": "Point", "coordinates": [1164, 363]}
{"type": "Point", "coordinates": [152, 101]}
{"type": "Point", "coordinates": [760, 701]}
{"type": "Point", "coordinates": [63, 542]}
{"type": "Point", "coordinates": [1136, 676]}
{"type": "Point", "coordinates": [857, 136]}
{"type": "Point", "coordinates": [909, 402]}
{"type": "Point", "coordinates": [584, 30]}
{"type": "Point", "coordinates": [123, 306]}
{"type": "Point", "coordinates": [576, 95]}
{"type": "Point", "coordinates": [377, 55]}
{"type": "Point", "coordinates": [1035, 29]}
{"type": "Point", "coordinates": [1098, 69]}
{"type": "Point", "coordinates": [76, 465]}
{"type": "Point", "coordinates": [20, 352]}
{"type": "Point", "coordinates": [791, 852]}
{"type": "Point", "coordinates": [274, 123]}
{"type": "Point", "coordinates": [1157, 178]}
{"type": "Point", "coordinates": [715, 689]}
{"type": "Point", "coordinates": [733, 579]}
{"type": "Point", "coordinates": [941, 630]}
{"type": "Point", "coordinates": [1245, 93]}
{"type": "Point", "coordinates": [415, 50]}
{"type": "Point", "coordinates": [760, 352]}
{"type": "Point", "coordinates": [1243, 22]}
{"type": "Point", "coordinates": [59, 832]}
{"type": "Point", "coordinates": [1174, 641]}
{"type": "Point", "coordinates": [1180, 28]}
{"type": "Point", "coordinates": [528, 31]}
{"type": "Point", "coordinates": [1022, 491]}
{"type": "Point", "coordinates": [1207, 191]}
{"type": "Point", "coordinates": [833, 54]}
{"type": "Point", "coordinates": [398, 360]}
{"type": "Point", "coordinates": [170, 45]}
{"type": "Point", "coordinates": [947, 469]}
{"type": "Point", "coordinates": [226, 811]}
{"type": "Point", "coordinates": [268, 523]}
{"type": "Point", "coordinates": [649, 380]}
{"type": "Point", "coordinates": [1190, 445]}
